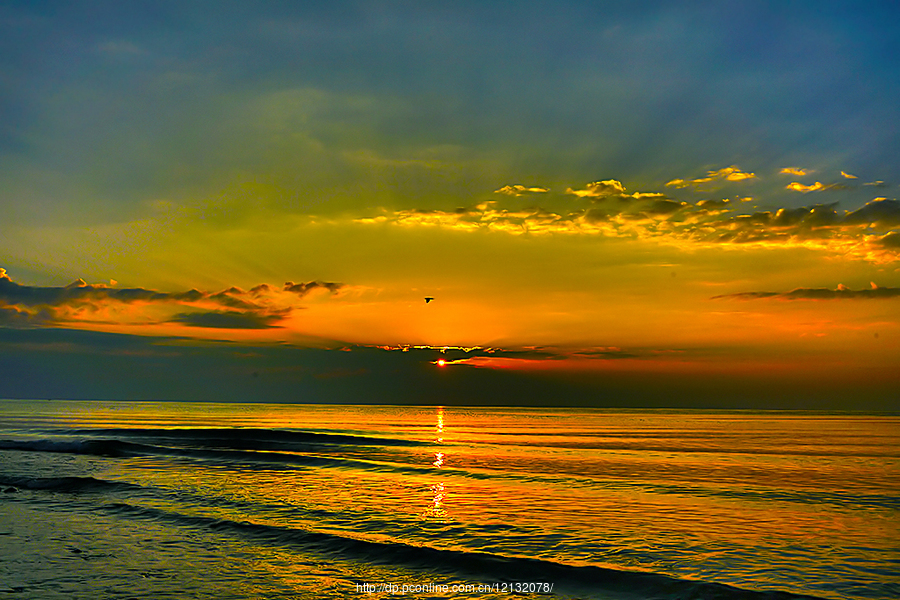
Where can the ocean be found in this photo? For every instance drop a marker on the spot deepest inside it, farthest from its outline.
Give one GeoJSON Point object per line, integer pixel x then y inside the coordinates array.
{"type": "Point", "coordinates": [245, 501]}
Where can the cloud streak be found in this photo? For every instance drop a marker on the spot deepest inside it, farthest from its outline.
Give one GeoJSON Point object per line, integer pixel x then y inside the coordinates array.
{"type": "Point", "coordinates": [731, 173]}
{"type": "Point", "coordinates": [520, 190]}
{"type": "Point", "coordinates": [795, 171]}
{"type": "Point", "coordinates": [525, 359]}
{"type": "Point", "coordinates": [818, 186]}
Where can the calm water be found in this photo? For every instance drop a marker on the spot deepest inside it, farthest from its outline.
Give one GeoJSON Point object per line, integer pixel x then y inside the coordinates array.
{"type": "Point", "coordinates": [170, 500]}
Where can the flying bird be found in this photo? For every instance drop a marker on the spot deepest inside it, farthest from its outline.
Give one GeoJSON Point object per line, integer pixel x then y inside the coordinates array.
{"type": "Point", "coordinates": [428, 299]}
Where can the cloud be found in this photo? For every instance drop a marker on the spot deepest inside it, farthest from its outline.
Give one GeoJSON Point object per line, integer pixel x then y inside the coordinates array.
{"type": "Point", "coordinates": [478, 356]}
{"type": "Point", "coordinates": [79, 291]}
{"type": "Point", "coordinates": [731, 173]}
{"type": "Point", "coordinates": [610, 352]}
{"type": "Point", "coordinates": [848, 175]}
{"type": "Point", "coordinates": [799, 187]}
{"type": "Point", "coordinates": [10, 316]}
{"type": "Point", "coordinates": [842, 292]}
{"type": "Point", "coordinates": [233, 308]}
{"type": "Point", "coordinates": [606, 208]}
{"type": "Point", "coordinates": [608, 199]}
{"type": "Point", "coordinates": [542, 358]}
{"type": "Point", "coordinates": [816, 226]}
{"type": "Point", "coordinates": [880, 212]}
{"type": "Point", "coordinates": [520, 190]}
{"type": "Point", "coordinates": [795, 171]}
{"type": "Point", "coordinates": [664, 207]}
{"type": "Point", "coordinates": [227, 320]}
{"type": "Point", "coordinates": [890, 240]}
{"type": "Point", "coordinates": [302, 289]}
{"type": "Point", "coordinates": [599, 189]}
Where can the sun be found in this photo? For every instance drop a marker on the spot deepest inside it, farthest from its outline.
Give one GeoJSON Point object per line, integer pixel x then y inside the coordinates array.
{"type": "Point", "coordinates": [441, 362]}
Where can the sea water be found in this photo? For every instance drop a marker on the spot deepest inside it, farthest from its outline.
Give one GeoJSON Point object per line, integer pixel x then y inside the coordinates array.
{"type": "Point", "coordinates": [189, 500]}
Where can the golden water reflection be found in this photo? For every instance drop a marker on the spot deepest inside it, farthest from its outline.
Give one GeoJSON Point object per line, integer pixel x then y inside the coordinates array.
{"type": "Point", "coordinates": [436, 509]}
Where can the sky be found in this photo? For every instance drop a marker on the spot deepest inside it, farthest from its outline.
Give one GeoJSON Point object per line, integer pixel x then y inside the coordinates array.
{"type": "Point", "coordinates": [642, 204]}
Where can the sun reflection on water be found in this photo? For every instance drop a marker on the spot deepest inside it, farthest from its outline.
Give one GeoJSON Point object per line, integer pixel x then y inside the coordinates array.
{"type": "Point", "coordinates": [436, 509]}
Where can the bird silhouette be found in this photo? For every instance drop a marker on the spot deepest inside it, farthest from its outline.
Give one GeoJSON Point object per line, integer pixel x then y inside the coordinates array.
{"type": "Point", "coordinates": [429, 299]}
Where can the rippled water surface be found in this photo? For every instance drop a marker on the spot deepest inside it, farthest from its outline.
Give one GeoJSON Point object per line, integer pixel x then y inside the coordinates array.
{"type": "Point", "coordinates": [150, 500]}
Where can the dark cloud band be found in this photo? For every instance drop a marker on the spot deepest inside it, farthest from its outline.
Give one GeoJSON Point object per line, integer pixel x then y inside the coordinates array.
{"type": "Point", "coordinates": [841, 292]}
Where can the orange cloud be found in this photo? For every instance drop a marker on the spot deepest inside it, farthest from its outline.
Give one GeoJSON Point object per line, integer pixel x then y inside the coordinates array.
{"type": "Point", "coordinates": [261, 307]}
{"type": "Point", "coordinates": [799, 187]}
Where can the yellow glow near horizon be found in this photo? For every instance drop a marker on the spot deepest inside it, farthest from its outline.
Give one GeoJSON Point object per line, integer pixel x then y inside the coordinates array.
{"type": "Point", "coordinates": [492, 289]}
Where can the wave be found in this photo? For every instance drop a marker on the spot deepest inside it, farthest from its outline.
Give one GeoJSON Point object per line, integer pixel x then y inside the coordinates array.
{"type": "Point", "coordinates": [62, 484]}
{"type": "Point", "coordinates": [113, 448]}
{"type": "Point", "coordinates": [241, 437]}
{"type": "Point", "coordinates": [486, 567]}
{"type": "Point", "coordinates": [252, 459]}
{"type": "Point", "coordinates": [859, 450]}
{"type": "Point", "coordinates": [234, 458]}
